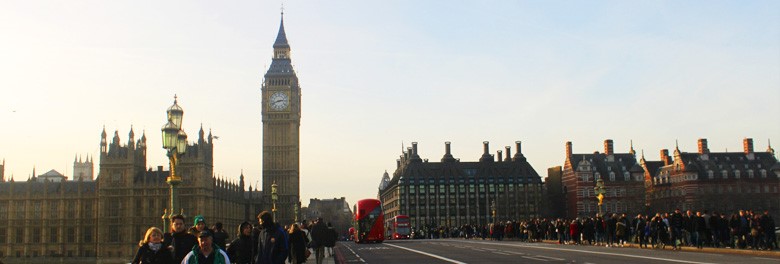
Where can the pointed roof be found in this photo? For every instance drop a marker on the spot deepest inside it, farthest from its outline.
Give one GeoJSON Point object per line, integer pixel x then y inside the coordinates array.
{"type": "Point", "coordinates": [281, 37]}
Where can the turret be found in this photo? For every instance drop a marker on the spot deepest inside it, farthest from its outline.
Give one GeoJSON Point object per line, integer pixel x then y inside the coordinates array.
{"type": "Point", "coordinates": [103, 141]}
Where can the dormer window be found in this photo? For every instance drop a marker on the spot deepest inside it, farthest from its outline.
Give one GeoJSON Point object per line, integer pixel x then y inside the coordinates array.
{"type": "Point", "coordinates": [750, 174]}
{"type": "Point", "coordinates": [710, 174]}
{"type": "Point", "coordinates": [611, 176]}
{"type": "Point", "coordinates": [725, 174]}
{"type": "Point", "coordinates": [736, 174]}
{"type": "Point", "coordinates": [763, 173]}
{"type": "Point", "coordinates": [626, 176]}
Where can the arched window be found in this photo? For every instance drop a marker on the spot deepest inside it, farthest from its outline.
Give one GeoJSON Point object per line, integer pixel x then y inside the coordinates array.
{"type": "Point", "coordinates": [736, 174]}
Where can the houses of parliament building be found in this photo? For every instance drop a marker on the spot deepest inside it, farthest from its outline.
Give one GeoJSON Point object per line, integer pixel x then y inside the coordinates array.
{"type": "Point", "coordinates": [103, 219]}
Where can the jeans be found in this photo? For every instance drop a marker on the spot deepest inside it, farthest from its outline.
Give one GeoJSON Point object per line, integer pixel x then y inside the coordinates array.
{"type": "Point", "coordinates": [319, 254]}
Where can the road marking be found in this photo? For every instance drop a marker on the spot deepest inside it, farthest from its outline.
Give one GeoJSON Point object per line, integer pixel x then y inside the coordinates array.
{"type": "Point", "coordinates": [428, 254]}
{"type": "Point", "coordinates": [764, 258]}
{"type": "Point", "coordinates": [534, 258]}
{"type": "Point", "coordinates": [589, 252]}
{"type": "Point", "coordinates": [356, 255]}
{"type": "Point", "coordinates": [540, 256]}
{"type": "Point", "coordinates": [502, 253]}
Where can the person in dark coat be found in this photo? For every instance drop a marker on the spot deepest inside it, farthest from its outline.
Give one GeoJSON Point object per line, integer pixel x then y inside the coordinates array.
{"type": "Point", "coordinates": [151, 249]}
{"type": "Point", "coordinates": [298, 241]}
{"type": "Point", "coordinates": [179, 240]}
{"type": "Point", "coordinates": [220, 235]}
{"type": "Point", "coordinates": [271, 240]}
{"type": "Point", "coordinates": [242, 248]}
{"type": "Point", "coordinates": [319, 234]}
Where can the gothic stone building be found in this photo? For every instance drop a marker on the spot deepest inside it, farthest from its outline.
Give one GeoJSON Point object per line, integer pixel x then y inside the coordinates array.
{"type": "Point", "coordinates": [71, 218]}
{"type": "Point", "coordinates": [281, 115]}
{"type": "Point", "coordinates": [455, 193]}
{"type": "Point", "coordinates": [715, 181]}
{"type": "Point", "coordinates": [623, 179]}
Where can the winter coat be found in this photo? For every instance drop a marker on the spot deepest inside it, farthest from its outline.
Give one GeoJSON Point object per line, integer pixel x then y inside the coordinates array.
{"type": "Point", "coordinates": [220, 238]}
{"type": "Point", "coordinates": [298, 241]}
{"type": "Point", "coordinates": [145, 255]}
{"type": "Point", "coordinates": [182, 243]}
{"type": "Point", "coordinates": [271, 245]}
{"type": "Point", "coordinates": [195, 256]}
{"type": "Point", "coordinates": [319, 234]}
{"type": "Point", "coordinates": [241, 250]}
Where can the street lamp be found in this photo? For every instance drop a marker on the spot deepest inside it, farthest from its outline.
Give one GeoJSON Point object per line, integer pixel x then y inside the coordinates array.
{"type": "Point", "coordinates": [600, 191]}
{"type": "Point", "coordinates": [493, 208]}
{"type": "Point", "coordinates": [174, 140]}
{"type": "Point", "coordinates": [274, 198]}
{"type": "Point", "coordinates": [295, 210]}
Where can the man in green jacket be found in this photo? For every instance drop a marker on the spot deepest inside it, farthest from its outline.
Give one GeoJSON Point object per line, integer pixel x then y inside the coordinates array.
{"type": "Point", "coordinates": [206, 252]}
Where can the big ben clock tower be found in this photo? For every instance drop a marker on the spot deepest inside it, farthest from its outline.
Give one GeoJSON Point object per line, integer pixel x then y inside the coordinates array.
{"type": "Point", "coordinates": [281, 112]}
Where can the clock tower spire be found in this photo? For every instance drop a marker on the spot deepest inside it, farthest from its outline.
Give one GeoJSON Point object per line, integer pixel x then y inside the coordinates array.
{"type": "Point", "coordinates": [281, 118]}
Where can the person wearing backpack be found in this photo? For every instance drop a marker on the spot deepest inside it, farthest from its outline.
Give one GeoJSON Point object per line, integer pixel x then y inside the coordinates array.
{"type": "Point", "coordinates": [272, 241]}
{"type": "Point", "coordinates": [330, 242]}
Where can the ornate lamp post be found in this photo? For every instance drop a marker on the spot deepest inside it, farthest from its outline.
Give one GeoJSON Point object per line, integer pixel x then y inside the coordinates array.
{"type": "Point", "coordinates": [174, 140]}
{"type": "Point", "coordinates": [600, 191]}
{"type": "Point", "coordinates": [295, 211]}
{"type": "Point", "coordinates": [493, 209]}
{"type": "Point", "coordinates": [274, 198]}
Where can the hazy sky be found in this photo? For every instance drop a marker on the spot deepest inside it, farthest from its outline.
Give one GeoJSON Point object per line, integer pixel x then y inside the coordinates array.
{"type": "Point", "coordinates": [375, 74]}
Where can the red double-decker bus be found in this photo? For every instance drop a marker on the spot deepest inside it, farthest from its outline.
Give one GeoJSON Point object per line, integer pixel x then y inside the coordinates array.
{"type": "Point", "coordinates": [369, 221]}
{"type": "Point", "coordinates": [401, 227]}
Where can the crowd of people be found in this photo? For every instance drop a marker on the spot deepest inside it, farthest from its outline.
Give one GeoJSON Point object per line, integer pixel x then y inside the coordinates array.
{"type": "Point", "coordinates": [266, 242]}
{"type": "Point", "coordinates": [743, 229]}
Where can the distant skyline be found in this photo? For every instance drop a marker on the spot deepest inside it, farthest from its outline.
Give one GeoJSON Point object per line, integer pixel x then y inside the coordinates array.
{"type": "Point", "coordinates": [375, 76]}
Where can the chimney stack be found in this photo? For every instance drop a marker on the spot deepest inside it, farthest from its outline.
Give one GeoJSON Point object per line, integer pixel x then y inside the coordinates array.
{"type": "Point", "coordinates": [703, 146]}
{"type": "Point", "coordinates": [568, 149]}
{"type": "Point", "coordinates": [486, 153]}
{"type": "Point", "coordinates": [608, 147]}
{"type": "Point", "coordinates": [665, 157]}
{"type": "Point", "coordinates": [414, 148]}
{"type": "Point", "coordinates": [500, 156]}
{"type": "Point", "coordinates": [747, 143]}
{"type": "Point", "coordinates": [447, 153]}
{"type": "Point", "coordinates": [508, 153]}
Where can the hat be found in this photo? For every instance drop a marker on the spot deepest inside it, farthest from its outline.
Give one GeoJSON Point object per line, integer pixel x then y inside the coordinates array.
{"type": "Point", "coordinates": [198, 219]}
{"type": "Point", "coordinates": [205, 233]}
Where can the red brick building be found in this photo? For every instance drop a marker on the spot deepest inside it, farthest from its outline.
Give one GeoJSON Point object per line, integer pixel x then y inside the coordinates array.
{"type": "Point", "coordinates": [623, 180]}
{"type": "Point", "coordinates": [715, 181]}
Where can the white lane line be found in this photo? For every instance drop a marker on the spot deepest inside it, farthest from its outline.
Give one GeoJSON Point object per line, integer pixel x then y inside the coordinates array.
{"type": "Point", "coordinates": [534, 258]}
{"type": "Point", "coordinates": [502, 253]}
{"type": "Point", "coordinates": [764, 258]}
{"type": "Point", "coordinates": [427, 254]}
{"type": "Point", "coordinates": [590, 252]}
{"type": "Point", "coordinates": [540, 256]}
{"type": "Point", "coordinates": [356, 255]}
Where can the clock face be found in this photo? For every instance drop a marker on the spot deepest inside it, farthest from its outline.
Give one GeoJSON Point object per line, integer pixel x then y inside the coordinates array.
{"type": "Point", "coordinates": [279, 101]}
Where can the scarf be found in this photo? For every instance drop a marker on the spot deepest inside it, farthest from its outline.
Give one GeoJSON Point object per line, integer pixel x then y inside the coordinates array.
{"type": "Point", "coordinates": [155, 246]}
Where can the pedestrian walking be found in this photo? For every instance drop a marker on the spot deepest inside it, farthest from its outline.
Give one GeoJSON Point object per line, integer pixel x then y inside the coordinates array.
{"type": "Point", "coordinates": [298, 241]}
{"type": "Point", "coordinates": [179, 240]}
{"type": "Point", "coordinates": [242, 248]}
{"type": "Point", "coordinates": [198, 225]}
{"type": "Point", "coordinates": [206, 252]}
{"type": "Point", "coordinates": [319, 233]}
{"type": "Point", "coordinates": [151, 249]}
{"type": "Point", "coordinates": [271, 240]}
{"type": "Point", "coordinates": [220, 235]}
{"type": "Point", "coordinates": [330, 242]}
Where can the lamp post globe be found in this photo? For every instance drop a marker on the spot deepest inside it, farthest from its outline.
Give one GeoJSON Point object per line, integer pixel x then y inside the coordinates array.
{"type": "Point", "coordinates": [174, 140]}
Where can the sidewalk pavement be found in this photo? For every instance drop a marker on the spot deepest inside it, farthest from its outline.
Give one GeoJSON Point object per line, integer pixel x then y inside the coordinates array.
{"type": "Point", "coordinates": [773, 253]}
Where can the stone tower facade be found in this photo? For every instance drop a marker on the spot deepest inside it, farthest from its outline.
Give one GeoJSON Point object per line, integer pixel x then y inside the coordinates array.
{"type": "Point", "coordinates": [281, 117]}
{"type": "Point", "coordinates": [83, 170]}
